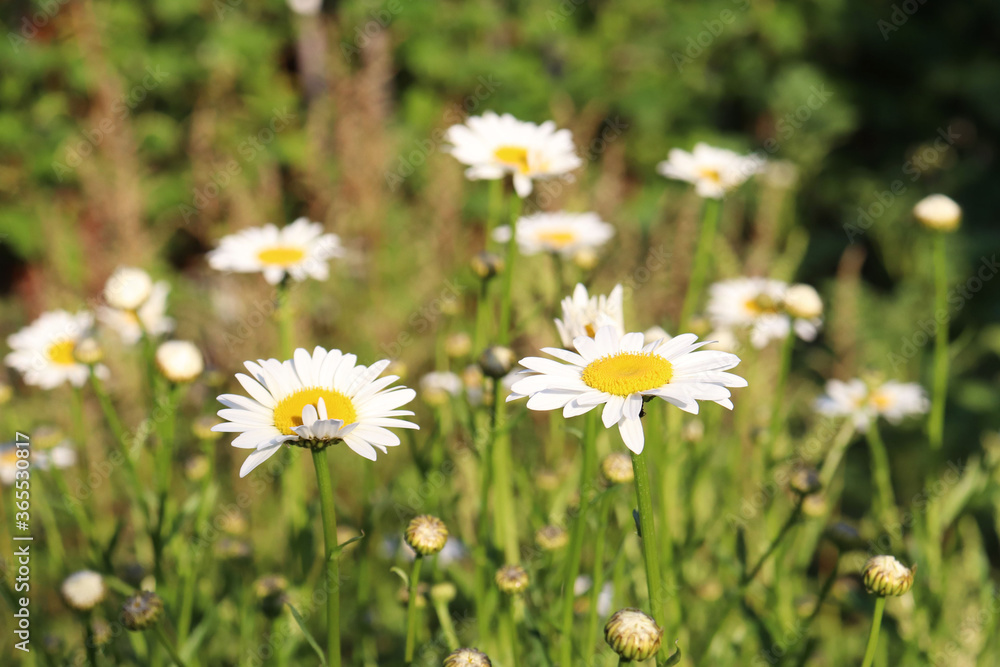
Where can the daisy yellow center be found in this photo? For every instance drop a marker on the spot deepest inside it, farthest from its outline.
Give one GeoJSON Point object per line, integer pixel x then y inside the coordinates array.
{"type": "Point", "coordinates": [62, 352]}
{"type": "Point", "coordinates": [513, 156]}
{"type": "Point", "coordinates": [281, 255]}
{"type": "Point", "coordinates": [710, 174]}
{"type": "Point", "coordinates": [628, 373]}
{"type": "Point", "coordinates": [288, 412]}
{"type": "Point", "coordinates": [9, 457]}
{"type": "Point", "coordinates": [590, 330]}
{"type": "Point", "coordinates": [881, 402]}
{"type": "Point", "coordinates": [762, 305]}
{"type": "Point", "coordinates": [558, 238]}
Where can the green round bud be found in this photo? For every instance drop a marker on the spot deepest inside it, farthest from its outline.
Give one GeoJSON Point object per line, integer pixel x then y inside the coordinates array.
{"type": "Point", "coordinates": [141, 611]}
{"type": "Point", "coordinates": [633, 635]}
{"type": "Point", "coordinates": [885, 576]}
{"type": "Point", "coordinates": [467, 657]}
{"type": "Point", "coordinates": [426, 534]}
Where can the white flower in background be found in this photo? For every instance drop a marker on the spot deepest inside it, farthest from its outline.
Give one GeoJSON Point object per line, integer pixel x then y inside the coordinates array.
{"type": "Point", "coordinates": [43, 352]}
{"type": "Point", "coordinates": [300, 250]}
{"type": "Point", "coordinates": [305, 7]}
{"type": "Point", "coordinates": [61, 456]}
{"type": "Point", "coordinates": [437, 387]}
{"type": "Point", "coordinates": [863, 402]}
{"type": "Point", "coordinates": [127, 288]}
{"type": "Point", "coordinates": [8, 463]}
{"type": "Point", "coordinates": [314, 399]}
{"type": "Point", "coordinates": [83, 590]}
{"type": "Point", "coordinates": [713, 171]}
{"type": "Point", "coordinates": [938, 212]}
{"type": "Point", "coordinates": [758, 305]}
{"type": "Point", "coordinates": [723, 340]}
{"type": "Point", "coordinates": [803, 302]}
{"type": "Point", "coordinates": [179, 360]}
{"type": "Point", "coordinates": [653, 334]}
{"type": "Point", "coordinates": [618, 372]}
{"type": "Point", "coordinates": [563, 233]}
{"type": "Point", "coordinates": [583, 315]}
{"type": "Point", "coordinates": [494, 146]}
{"type": "Point", "coordinates": [150, 317]}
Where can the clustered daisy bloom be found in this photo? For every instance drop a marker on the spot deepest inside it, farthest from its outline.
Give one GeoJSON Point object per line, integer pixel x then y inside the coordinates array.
{"type": "Point", "coordinates": [620, 373]}
{"type": "Point", "coordinates": [494, 146]}
{"type": "Point", "coordinates": [768, 309]}
{"type": "Point", "coordinates": [314, 400]}
{"type": "Point", "coordinates": [300, 250]}
{"type": "Point", "coordinates": [43, 352]}
{"type": "Point", "coordinates": [865, 402]}
{"type": "Point", "coordinates": [713, 171]}
{"type": "Point", "coordinates": [136, 305]}
{"type": "Point", "coordinates": [565, 234]}
{"type": "Point", "coordinates": [583, 315]}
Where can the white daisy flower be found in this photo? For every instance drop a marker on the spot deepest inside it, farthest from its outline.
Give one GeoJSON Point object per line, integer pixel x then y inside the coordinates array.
{"type": "Point", "coordinates": [758, 304]}
{"type": "Point", "coordinates": [314, 399]}
{"type": "Point", "coordinates": [438, 386]}
{"type": "Point", "coordinates": [620, 373]}
{"type": "Point", "coordinates": [43, 351]}
{"type": "Point", "coordinates": [494, 146]}
{"type": "Point", "coordinates": [713, 171]}
{"type": "Point", "coordinates": [583, 315]}
{"type": "Point", "coordinates": [300, 250]}
{"type": "Point", "coordinates": [150, 317]}
{"type": "Point", "coordinates": [564, 233]}
{"type": "Point", "coordinates": [864, 403]}
{"type": "Point", "coordinates": [127, 288]}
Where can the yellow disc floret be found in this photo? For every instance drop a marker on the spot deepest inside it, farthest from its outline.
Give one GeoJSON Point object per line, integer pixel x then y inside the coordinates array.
{"type": "Point", "coordinates": [62, 352]}
{"type": "Point", "coordinates": [628, 373]}
{"type": "Point", "coordinates": [288, 413]}
{"type": "Point", "coordinates": [557, 238]}
{"type": "Point", "coordinates": [514, 156]}
{"type": "Point", "coordinates": [281, 255]}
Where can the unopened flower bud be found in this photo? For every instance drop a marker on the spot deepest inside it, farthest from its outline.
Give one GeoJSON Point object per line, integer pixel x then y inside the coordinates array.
{"type": "Point", "coordinates": [512, 579]}
{"type": "Point", "coordinates": [551, 538]}
{"type": "Point", "coordinates": [803, 301]}
{"type": "Point", "coordinates": [6, 393]}
{"type": "Point", "coordinates": [938, 212]}
{"type": "Point", "coordinates": [467, 657]}
{"type": "Point", "coordinates": [426, 534]}
{"type": "Point", "coordinates": [83, 590]}
{"type": "Point", "coordinates": [196, 467]}
{"type": "Point", "coordinates": [128, 288]}
{"type": "Point", "coordinates": [272, 594]}
{"type": "Point", "coordinates": [179, 360]}
{"type": "Point", "coordinates": [202, 428]}
{"type": "Point", "coordinates": [804, 481]}
{"type": "Point", "coordinates": [141, 611]}
{"type": "Point", "coordinates": [88, 351]}
{"type": "Point", "coordinates": [585, 258]}
{"type": "Point", "coordinates": [444, 592]}
{"type": "Point", "coordinates": [633, 635]}
{"type": "Point", "coordinates": [458, 345]}
{"type": "Point", "coordinates": [496, 361]}
{"type": "Point", "coordinates": [617, 468]}
{"type": "Point", "coordinates": [886, 576]}
{"type": "Point", "coordinates": [486, 265]}
{"type": "Point", "coordinates": [845, 536]}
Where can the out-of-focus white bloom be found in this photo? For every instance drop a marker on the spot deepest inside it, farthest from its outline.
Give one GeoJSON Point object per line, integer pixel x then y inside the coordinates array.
{"type": "Point", "coordinates": [305, 7]}
{"type": "Point", "coordinates": [583, 315]}
{"type": "Point", "coordinates": [758, 305]}
{"type": "Point", "coordinates": [43, 352]}
{"type": "Point", "coordinates": [179, 360]}
{"type": "Point", "coordinates": [128, 288]}
{"type": "Point", "coordinates": [938, 212]}
{"type": "Point", "coordinates": [618, 373]}
{"type": "Point", "coordinates": [653, 334]}
{"type": "Point", "coordinates": [863, 403]}
{"type": "Point", "coordinates": [582, 584]}
{"type": "Point", "coordinates": [560, 233]}
{"type": "Point", "coordinates": [713, 171]}
{"type": "Point", "coordinates": [723, 340]}
{"type": "Point", "coordinates": [803, 302]}
{"type": "Point", "coordinates": [150, 317]}
{"type": "Point", "coordinates": [493, 146]}
{"type": "Point", "coordinates": [300, 250]}
{"type": "Point", "coordinates": [83, 590]}
{"type": "Point", "coordinates": [437, 387]}
{"type": "Point", "coordinates": [314, 400]}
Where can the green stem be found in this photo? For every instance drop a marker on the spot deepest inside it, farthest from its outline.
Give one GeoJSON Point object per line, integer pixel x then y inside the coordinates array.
{"type": "Point", "coordinates": [647, 526]}
{"type": "Point", "coordinates": [411, 610]}
{"type": "Point", "coordinates": [328, 510]}
{"type": "Point", "coordinates": [709, 222]}
{"type": "Point", "coordinates": [598, 578]}
{"type": "Point", "coordinates": [495, 202]}
{"type": "Point", "coordinates": [778, 396]}
{"type": "Point", "coordinates": [118, 431]}
{"type": "Point", "coordinates": [873, 635]}
{"type": "Point", "coordinates": [447, 626]}
{"type": "Point", "coordinates": [503, 335]}
{"type": "Point", "coordinates": [935, 424]}
{"type": "Point", "coordinates": [885, 497]}
{"type": "Point", "coordinates": [573, 556]}
{"type": "Point", "coordinates": [505, 512]}
{"type": "Point", "coordinates": [88, 639]}
{"type": "Point", "coordinates": [482, 316]}
{"type": "Point", "coordinates": [167, 644]}
{"type": "Point", "coordinates": [284, 316]}
{"type": "Point", "coordinates": [791, 521]}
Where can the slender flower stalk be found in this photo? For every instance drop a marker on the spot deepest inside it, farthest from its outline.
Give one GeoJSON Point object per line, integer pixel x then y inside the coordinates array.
{"type": "Point", "coordinates": [503, 335]}
{"type": "Point", "coordinates": [118, 432]}
{"type": "Point", "coordinates": [873, 635]}
{"type": "Point", "coordinates": [935, 425]}
{"type": "Point", "coordinates": [650, 548]}
{"type": "Point", "coordinates": [329, 513]}
{"type": "Point", "coordinates": [711, 214]}
{"type": "Point", "coordinates": [506, 513]}
{"type": "Point", "coordinates": [411, 609]}
{"type": "Point", "coordinates": [597, 580]}
{"type": "Point", "coordinates": [885, 497]}
{"type": "Point", "coordinates": [778, 397]}
{"type": "Point", "coordinates": [573, 556]}
{"type": "Point", "coordinates": [785, 528]}
{"type": "Point", "coordinates": [165, 642]}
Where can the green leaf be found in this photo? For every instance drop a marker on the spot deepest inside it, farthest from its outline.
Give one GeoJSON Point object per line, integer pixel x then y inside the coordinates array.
{"type": "Point", "coordinates": [674, 658]}
{"type": "Point", "coordinates": [305, 631]}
